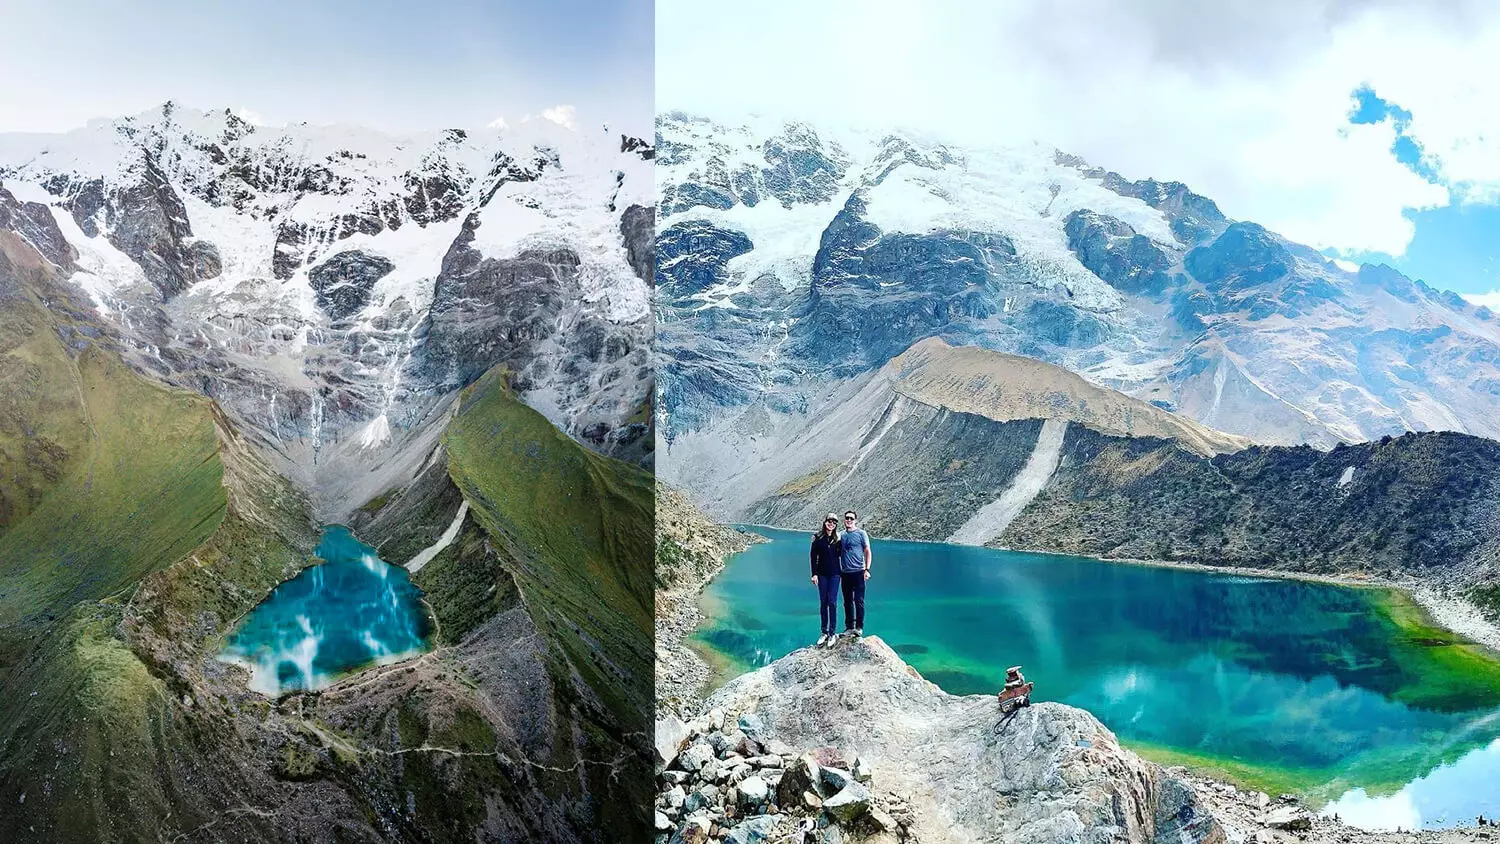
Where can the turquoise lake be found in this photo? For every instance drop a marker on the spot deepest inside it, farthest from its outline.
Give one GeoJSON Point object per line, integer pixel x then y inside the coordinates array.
{"type": "Point", "coordinates": [352, 611]}
{"type": "Point", "coordinates": [1328, 691]}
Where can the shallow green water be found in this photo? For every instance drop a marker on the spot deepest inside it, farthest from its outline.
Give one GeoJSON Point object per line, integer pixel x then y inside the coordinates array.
{"type": "Point", "coordinates": [350, 612]}
{"type": "Point", "coordinates": [1341, 694]}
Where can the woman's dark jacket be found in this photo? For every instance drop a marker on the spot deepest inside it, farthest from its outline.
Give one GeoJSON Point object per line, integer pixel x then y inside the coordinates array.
{"type": "Point", "coordinates": [825, 555]}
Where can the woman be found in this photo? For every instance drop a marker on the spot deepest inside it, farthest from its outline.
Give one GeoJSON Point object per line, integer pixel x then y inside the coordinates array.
{"type": "Point", "coordinates": [827, 551]}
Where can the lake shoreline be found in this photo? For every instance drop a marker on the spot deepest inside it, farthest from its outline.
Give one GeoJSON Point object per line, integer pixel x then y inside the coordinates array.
{"type": "Point", "coordinates": [1454, 613]}
{"type": "Point", "coordinates": [1224, 795]}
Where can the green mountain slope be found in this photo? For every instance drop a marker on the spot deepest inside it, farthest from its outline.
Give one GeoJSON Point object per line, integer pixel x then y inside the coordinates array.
{"type": "Point", "coordinates": [580, 531]}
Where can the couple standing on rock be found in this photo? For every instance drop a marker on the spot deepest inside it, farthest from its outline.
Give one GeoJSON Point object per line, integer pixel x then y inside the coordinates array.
{"type": "Point", "coordinates": [841, 559]}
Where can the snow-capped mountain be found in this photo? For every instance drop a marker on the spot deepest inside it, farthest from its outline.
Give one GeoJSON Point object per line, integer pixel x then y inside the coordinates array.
{"type": "Point", "coordinates": [790, 254]}
{"type": "Point", "coordinates": [331, 285]}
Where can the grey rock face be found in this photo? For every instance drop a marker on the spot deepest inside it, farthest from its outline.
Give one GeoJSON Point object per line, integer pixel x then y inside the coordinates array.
{"type": "Point", "coordinates": [752, 831]}
{"type": "Point", "coordinates": [34, 224]}
{"type": "Point", "coordinates": [1112, 250]}
{"type": "Point", "coordinates": [146, 220]}
{"type": "Point", "coordinates": [638, 227]}
{"type": "Point", "coordinates": [342, 283]}
{"type": "Point", "coordinates": [1193, 218]}
{"type": "Point", "coordinates": [956, 754]}
{"type": "Point", "coordinates": [487, 311]}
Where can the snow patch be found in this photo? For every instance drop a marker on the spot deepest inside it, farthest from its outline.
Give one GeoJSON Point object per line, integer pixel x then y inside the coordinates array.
{"type": "Point", "coordinates": [992, 519]}
{"type": "Point", "coordinates": [377, 433]}
{"type": "Point", "coordinates": [427, 554]}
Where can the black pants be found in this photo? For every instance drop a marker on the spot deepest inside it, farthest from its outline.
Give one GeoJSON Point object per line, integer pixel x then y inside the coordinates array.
{"type": "Point", "coordinates": [854, 599]}
{"type": "Point", "coordinates": [828, 602]}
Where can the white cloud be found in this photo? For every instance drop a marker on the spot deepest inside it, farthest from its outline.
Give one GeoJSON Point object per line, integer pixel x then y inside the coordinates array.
{"type": "Point", "coordinates": [1246, 102]}
{"type": "Point", "coordinates": [498, 123]}
{"type": "Point", "coordinates": [1489, 300]}
{"type": "Point", "coordinates": [562, 115]}
{"type": "Point", "coordinates": [1346, 266]}
{"type": "Point", "coordinates": [1391, 812]}
{"type": "Point", "coordinates": [251, 117]}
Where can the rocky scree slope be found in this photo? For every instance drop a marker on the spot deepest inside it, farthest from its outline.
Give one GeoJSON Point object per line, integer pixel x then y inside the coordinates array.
{"type": "Point", "coordinates": [791, 254]}
{"type": "Point", "coordinates": [959, 769]}
{"type": "Point", "coordinates": [332, 286]}
{"type": "Point", "coordinates": [938, 406]}
{"type": "Point", "coordinates": [690, 551]}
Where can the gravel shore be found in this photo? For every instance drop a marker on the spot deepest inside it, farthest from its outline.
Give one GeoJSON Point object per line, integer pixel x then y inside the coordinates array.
{"type": "Point", "coordinates": [1245, 816]}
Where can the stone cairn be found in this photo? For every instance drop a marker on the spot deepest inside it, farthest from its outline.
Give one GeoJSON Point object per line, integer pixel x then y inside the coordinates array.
{"type": "Point", "coordinates": [720, 779]}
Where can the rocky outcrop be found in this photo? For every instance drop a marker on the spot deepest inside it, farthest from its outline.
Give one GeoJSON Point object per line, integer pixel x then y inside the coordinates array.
{"type": "Point", "coordinates": [719, 777]}
{"type": "Point", "coordinates": [638, 227]}
{"type": "Point", "coordinates": [34, 224]}
{"type": "Point", "coordinates": [1046, 773]}
{"type": "Point", "coordinates": [342, 283]}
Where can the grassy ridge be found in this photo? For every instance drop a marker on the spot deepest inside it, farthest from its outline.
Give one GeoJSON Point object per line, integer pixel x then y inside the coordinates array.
{"type": "Point", "coordinates": [84, 720]}
{"type": "Point", "coordinates": [43, 426]}
{"type": "Point", "coordinates": [574, 532]}
{"type": "Point", "coordinates": [581, 529]}
{"type": "Point", "coordinates": [146, 490]}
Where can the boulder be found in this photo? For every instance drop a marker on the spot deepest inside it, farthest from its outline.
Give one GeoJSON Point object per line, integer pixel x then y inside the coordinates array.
{"type": "Point", "coordinates": [695, 757]}
{"type": "Point", "coordinates": [663, 823]}
{"type": "Point", "coordinates": [722, 743]}
{"type": "Point", "coordinates": [704, 797]}
{"type": "Point", "coordinates": [752, 725]}
{"type": "Point", "coordinates": [851, 802]}
{"type": "Point", "coordinates": [801, 775]}
{"type": "Point", "coordinates": [861, 770]}
{"type": "Point", "coordinates": [835, 779]}
{"type": "Point", "coordinates": [670, 734]}
{"type": "Point", "coordinates": [1061, 771]}
{"type": "Point", "coordinates": [1290, 818]}
{"type": "Point", "coordinates": [752, 830]}
{"type": "Point", "coordinates": [753, 793]}
{"type": "Point", "coordinates": [830, 757]}
{"type": "Point", "coordinates": [713, 771]}
{"type": "Point", "coordinates": [694, 830]}
{"type": "Point", "coordinates": [879, 821]}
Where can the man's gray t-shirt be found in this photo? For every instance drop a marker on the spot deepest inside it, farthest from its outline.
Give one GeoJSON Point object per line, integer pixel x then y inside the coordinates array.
{"type": "Point", "coordinates": [853, 558]}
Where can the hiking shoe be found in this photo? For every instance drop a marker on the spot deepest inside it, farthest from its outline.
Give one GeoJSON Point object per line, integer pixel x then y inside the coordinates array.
{"type": "Point", "coordinates": [858, 632]}
{"type": "Point", "coordinates": [822, 640]}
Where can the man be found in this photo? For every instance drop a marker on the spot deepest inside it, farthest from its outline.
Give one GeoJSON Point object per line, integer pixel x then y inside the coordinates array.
{"type": "Point", "coordinates": [854, 568]}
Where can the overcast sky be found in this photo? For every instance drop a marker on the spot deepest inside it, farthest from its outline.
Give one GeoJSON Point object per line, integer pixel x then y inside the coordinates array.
{"type": "Point", "coordinates": [382, 63]}
{"type": "Point", "coordinates": [1248, 102]}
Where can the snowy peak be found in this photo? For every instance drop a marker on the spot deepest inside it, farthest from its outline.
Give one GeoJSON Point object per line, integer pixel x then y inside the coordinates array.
{"type": "Point", "coordinates": [882, 238]}
{"type": "Point", "coordinates": [330, 285]}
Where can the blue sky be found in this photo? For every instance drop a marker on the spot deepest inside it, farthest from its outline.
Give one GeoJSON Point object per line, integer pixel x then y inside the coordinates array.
{"type": "Point", "coordinates": [391, 65]}
{"type": "Point", "coordinates": [1453, 247]}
